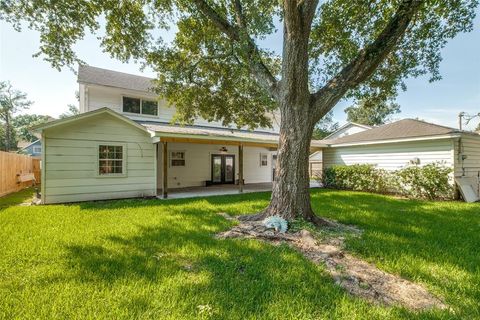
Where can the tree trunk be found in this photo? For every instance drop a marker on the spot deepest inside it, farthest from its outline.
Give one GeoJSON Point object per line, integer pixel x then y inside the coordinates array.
{"type": "Point", "coordinates": [290, 193]}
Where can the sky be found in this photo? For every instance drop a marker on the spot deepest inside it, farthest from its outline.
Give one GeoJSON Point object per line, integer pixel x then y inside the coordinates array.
{"type": "Point", "coordinates": [52, 90]}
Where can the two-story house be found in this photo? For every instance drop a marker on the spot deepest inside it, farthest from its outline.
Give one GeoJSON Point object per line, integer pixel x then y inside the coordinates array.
{"type": "Point", "coordinates": [123, 144]}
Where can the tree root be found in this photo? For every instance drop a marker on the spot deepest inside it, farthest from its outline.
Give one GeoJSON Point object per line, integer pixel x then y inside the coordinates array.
{"type": "Point", "coordinates": [356, 276]}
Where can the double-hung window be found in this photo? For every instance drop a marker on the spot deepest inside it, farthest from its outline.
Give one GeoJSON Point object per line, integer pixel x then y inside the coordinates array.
{"type": "Point", "coordinates": [140, 106]}
{"type": "Point", "coordinates": [111, 160]}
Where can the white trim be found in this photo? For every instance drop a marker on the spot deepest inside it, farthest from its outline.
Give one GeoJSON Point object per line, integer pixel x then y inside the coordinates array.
{"type": "Point", "coordinates": [346, 125]}
{"type": "Point", "coordinates": [87, 115]}
{"type": "Point", "coordinates": [438, 137]}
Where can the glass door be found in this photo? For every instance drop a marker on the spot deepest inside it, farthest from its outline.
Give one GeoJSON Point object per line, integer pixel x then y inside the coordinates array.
{"type": "Point", "coordinates": [223, 168]}
{"type": "Point", "coordinates": [216, 169]}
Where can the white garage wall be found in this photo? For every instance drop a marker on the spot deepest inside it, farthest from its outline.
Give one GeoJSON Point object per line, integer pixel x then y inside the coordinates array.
{"type": "Point", "coordinates": [469, 146]}
{"type": "Point", "coordinates": [197, 167]}
{"type": "Point", "coordinates": [391, 156]}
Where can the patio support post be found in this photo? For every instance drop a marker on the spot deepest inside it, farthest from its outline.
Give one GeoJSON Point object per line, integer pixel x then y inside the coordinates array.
{"type": "Point", "coordinates": [165, 171]}
{"type": "Point", "coordinates": [240, 167]}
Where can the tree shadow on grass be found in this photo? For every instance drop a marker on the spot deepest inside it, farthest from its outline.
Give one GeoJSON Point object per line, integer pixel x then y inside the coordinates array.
{"type": "Point", "coordinates": [436, 242]}
{"type": "Point", "coordinates": [235, 278]}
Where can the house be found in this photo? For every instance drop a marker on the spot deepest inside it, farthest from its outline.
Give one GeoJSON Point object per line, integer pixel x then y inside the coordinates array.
{"type": "Point", "coordinates": [31, 148]}
{"type": "Point", "coordinates": [123, 144]}
{"type": "Point", "coordinates": [316, 158]}
{"type": "Point", "coordinates": [406, 142]}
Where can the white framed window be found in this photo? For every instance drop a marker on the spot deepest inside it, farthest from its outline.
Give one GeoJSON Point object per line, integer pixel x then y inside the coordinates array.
{"type": "Point", "coordinates": [139, 106]}
{"type": "Point", "coordinates": [177, 158]}
{"type": "Point", "coordinates": [37, 149]}
{"type": "Point", "coordinates": [263, 159]}
{"type": "Point", "coordinates": [111, 160]}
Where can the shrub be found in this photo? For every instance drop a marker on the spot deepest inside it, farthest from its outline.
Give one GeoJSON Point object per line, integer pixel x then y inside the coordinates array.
{"type": "Point", "coordinates": [359, 177]}
{"type": "Point", "coordinates": [430, 181]}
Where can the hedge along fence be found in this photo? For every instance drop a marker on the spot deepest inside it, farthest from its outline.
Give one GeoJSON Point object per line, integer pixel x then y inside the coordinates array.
{"type": "Point", "coordinates": [431, 181]}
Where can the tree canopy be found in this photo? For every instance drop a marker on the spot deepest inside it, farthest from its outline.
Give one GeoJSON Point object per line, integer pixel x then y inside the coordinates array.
{"type": "Point", "coordinates": [372, 113]}
{"type": "Point", "coordinates": [208, 66]}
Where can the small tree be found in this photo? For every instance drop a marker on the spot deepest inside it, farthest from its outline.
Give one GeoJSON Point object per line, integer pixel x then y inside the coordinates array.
{"type": "Point", "coordinates": [371, 112]}
{"type": "Point", "coordinates": [215, 68]}
{"type": "Point", "coordinates": [11, 101]}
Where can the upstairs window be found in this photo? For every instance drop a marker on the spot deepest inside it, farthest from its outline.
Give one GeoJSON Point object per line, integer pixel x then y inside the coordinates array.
{"type": "Point", "coordinates": [140, 106]}
{"type": "Point", "coordinates": [110, 160]}
{"type": "Point", "coordinates": [37, 149]}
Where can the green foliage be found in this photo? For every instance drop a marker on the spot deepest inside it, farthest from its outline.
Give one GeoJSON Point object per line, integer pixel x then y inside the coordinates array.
{"type": "Point", "coordinates": [358, 177]}
{"type": "Point", "coordinates": [22, 124]}
{"type": "Point", "coordinates": [371, 112]}
{"type": "Point", "coordinates": [431, 181]}
{"type": "Point", "coordinates": [72, 110]}
{"type": "Point", "coordinates": [205, 72]}
{"type": "Point", "coordinates": [325, 127]}
{"type": "Point", "coordinates": [11, 102]}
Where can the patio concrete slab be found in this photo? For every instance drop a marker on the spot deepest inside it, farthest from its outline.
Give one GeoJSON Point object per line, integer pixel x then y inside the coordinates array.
{"type": "Point", "coordinates": [218, 190]}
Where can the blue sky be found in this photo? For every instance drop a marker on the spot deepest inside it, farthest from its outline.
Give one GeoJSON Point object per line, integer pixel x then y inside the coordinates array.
{"type": "Point", "coordinates": [438, 102]}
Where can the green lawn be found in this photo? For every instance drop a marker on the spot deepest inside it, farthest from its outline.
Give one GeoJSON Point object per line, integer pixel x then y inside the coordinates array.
{"type": "Point", "coordinates": [153, 259]}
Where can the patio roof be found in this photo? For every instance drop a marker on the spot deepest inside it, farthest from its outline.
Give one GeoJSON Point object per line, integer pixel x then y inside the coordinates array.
{"type": "Point", "coordinates": [175, 133]}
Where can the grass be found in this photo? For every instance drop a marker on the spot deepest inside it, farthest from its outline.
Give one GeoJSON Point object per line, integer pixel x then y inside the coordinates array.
{"type": "Point", "coordinates": [13, 199]}
{"type": "Point", "coordinates": [143, 259]}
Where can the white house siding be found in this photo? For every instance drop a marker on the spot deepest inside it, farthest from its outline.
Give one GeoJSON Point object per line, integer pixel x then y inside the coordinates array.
{"type": "Point", "coordinates": [469, 147]}
{"type": "Point", "coordinates": [198, 159]}
{"type": "Point", "coordinates": [391, 156]}
{"type": "Point", "coordinates": [71, 157]}
{"type": "Point", "coordinates": [96, 97]}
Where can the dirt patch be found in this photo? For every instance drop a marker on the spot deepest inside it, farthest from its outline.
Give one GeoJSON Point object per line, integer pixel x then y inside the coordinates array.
{"type": "Point", "coordinates": [353, 274]}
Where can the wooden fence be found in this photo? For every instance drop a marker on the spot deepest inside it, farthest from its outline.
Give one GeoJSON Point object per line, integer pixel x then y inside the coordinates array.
{"type": "Point", "coordinates": [12, 166]}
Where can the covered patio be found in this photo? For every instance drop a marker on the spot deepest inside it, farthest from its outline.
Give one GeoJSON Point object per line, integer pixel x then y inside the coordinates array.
{"type": "Point", "coordinates": [219, 190]}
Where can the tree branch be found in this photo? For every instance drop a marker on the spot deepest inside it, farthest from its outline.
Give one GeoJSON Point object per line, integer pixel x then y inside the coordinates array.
{"type": "Point", "coordinates": [366, 62]}
{"type": "Point", "coordinates": [240, 35]}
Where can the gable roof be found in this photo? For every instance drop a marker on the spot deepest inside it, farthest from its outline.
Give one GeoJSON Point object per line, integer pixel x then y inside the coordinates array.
{"type": "Point", "coordinates": [347, 125]}
{"type": "Point", "coordinates": [86, 115]}
{"type": "Point", "coordinates": [105, 77]}
{"type": "Point", "coordinates": [402, 129]}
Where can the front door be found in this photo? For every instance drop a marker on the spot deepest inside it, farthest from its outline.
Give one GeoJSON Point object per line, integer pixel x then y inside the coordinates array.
{"type": "Point", "coordinates": [223, 168]}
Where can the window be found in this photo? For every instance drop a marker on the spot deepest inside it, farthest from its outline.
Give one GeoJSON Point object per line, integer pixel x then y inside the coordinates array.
{"type": "Point", "coordinates": [140, 106]}
{"type": "Point", "coordinates": [110, 160]}
{"type": "Point", "coordinates": [177, 158]}
{"type": "Point", "coordinates": [263, 160]}
{"type": "Point", "coordinates": [131, 105]}
{"type": "Point", "coordinates": [37, 149]}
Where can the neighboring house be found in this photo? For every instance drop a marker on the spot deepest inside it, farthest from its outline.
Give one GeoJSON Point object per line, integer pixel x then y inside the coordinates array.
{"type": "Point", "coordinates": [316, 158]}
{"type": "Point", "coordinates": [31, 148]}
{"type": "Point", "coordinates": [406, 142]}
{"type": "Point", "coordinates": [123, 145]}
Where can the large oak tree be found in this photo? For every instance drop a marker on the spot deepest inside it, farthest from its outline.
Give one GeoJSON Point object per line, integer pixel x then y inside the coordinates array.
{"type": "Point", "coordinates": [216, 67]}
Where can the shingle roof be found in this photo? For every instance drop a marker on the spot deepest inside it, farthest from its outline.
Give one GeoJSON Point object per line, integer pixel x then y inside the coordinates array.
{"type": "Point", "coordinates": [218, 133]}
{"type": "Point", "coordinates": [104, 77]}
{"type": "Point", "coordinates": [402, 129]}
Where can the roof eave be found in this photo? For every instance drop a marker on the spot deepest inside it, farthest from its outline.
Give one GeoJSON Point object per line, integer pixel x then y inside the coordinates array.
{"type": "Point", "coordinates": [422, 138]}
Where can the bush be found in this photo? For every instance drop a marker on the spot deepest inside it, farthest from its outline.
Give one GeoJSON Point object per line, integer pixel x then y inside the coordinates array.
{"type": "Point", "coordinates": [359, 177]}
{"type": "Point", "coordinates": [430, 181]}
